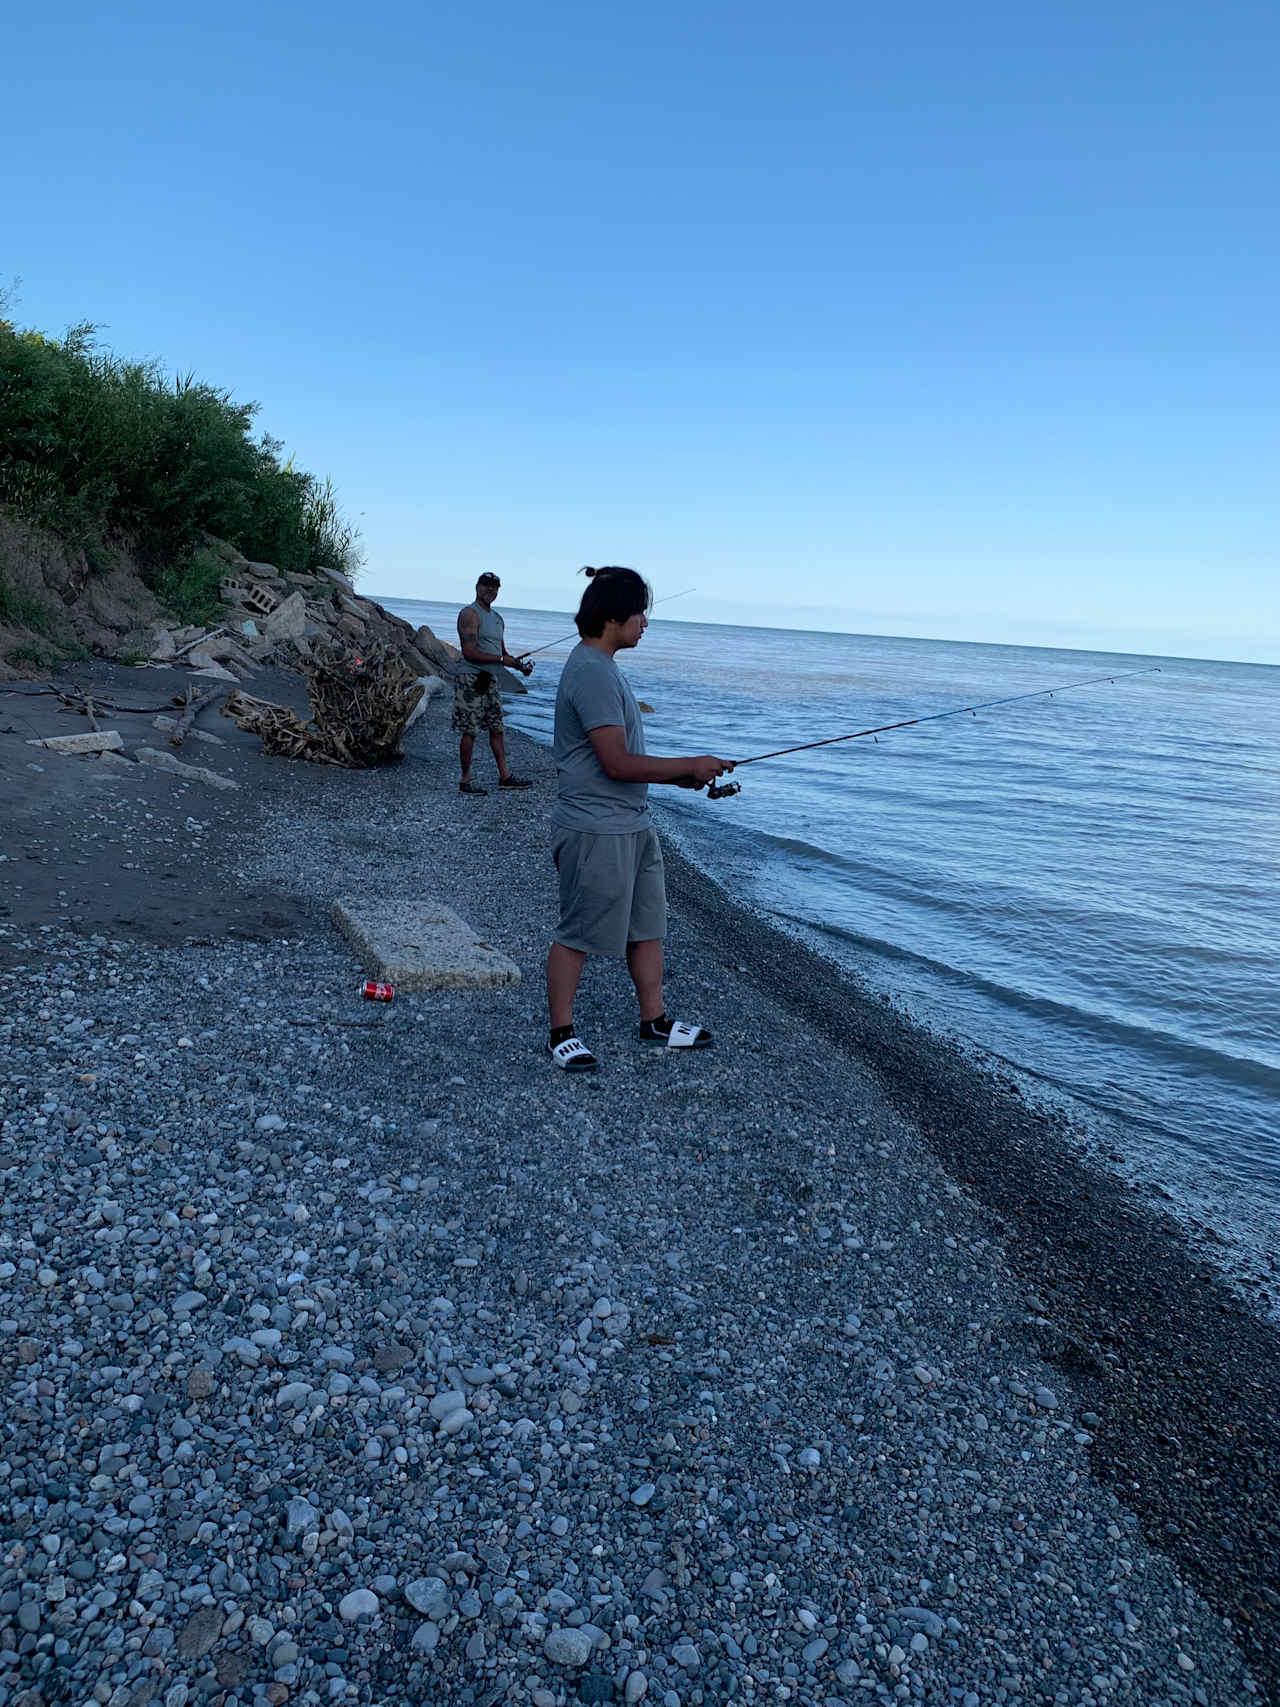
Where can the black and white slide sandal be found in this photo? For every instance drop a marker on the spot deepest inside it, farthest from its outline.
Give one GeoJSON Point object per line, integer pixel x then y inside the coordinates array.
{"type": "Point", "coordinates": [573, 1056]}
{"type": "Point", "coordinates": [675, 1034]}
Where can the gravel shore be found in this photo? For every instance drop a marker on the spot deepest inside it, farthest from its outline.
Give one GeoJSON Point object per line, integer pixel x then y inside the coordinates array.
{"type": "Point", "coordinates": [352, 1353]}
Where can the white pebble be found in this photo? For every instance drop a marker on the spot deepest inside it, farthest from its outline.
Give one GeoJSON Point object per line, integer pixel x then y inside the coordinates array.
{"type": "Point", "coordinates": [360, 1603]}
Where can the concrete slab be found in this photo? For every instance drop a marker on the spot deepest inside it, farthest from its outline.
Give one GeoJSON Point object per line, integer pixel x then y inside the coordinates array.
{"type": "Point", "coordinates": [193, 773]}
{"type": "Point", "coordinates": [421, 945]}
{"type": "Point", "coordinates": [95, 741]}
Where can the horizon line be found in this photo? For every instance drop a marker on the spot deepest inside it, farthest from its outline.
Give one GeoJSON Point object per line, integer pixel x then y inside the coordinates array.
{"type": "Point", "coordinates": [871, 634]}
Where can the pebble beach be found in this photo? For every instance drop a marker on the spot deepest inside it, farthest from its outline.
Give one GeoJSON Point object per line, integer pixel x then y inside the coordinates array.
{"type": "Point", "coordinates": [351, 1353]}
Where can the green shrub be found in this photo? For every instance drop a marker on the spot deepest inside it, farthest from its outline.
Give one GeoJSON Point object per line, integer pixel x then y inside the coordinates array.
{"type": "Point", "coordinates": [52, 639]}
{"type": "Point", "coordinates": [190, 587]}
{"type": "Point", "coordinates": [22, 610]}
{"type": "Point", "coordinates": [45, 654]}
{"type": "Point", "coordinates": [331, 541]}
{"type": "Point", "coordinates": [95, 448]}
{"type": "Point", "coordinates": [38, 652]}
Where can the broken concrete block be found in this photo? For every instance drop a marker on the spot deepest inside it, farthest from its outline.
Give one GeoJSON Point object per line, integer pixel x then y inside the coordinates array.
{"type": "Point", "coordinates": [338, 578]}
{"type": "Point", "coordinates": [421, 945]}
{"type": "Point", "coordinates": [204, 665]}
{"type": "Point", "coordinates": [96, 741]}
{"type": "Point", "coordinates": [108, 757]}
{"type": "Point", "coordinates": [193, 773]}
{"type": "Point", "coordinates": [288, 621]}
{"type": "Point", "coordinates": [236, 590]}
{"type": "Point", "coordinates": [163, 645]}
{"type": "Point", "coordinates": [223, 650]}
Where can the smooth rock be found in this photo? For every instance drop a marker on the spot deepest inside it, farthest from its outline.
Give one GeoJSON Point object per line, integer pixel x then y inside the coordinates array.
{"type": "Point", "coordinates": [431, 1597]}
{"type": "Point", "coordinates": [200, 1632]}
{"type": "Point", "coordinates": [300, 1516]}
{"type": "Point", "coordinates": [567, 1647]}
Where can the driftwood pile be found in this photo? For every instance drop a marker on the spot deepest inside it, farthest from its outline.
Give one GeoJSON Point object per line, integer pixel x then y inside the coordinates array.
{"type": "Point", "coordinates": [360, 704]}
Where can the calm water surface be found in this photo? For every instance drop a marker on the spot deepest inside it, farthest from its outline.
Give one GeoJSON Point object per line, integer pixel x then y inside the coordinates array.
{"type": "Point", "coordinates": [1083, 886]}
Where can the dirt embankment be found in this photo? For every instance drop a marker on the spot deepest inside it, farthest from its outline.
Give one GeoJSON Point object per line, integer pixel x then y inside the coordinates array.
{"type": "Point", "coordinates": [56, 605]}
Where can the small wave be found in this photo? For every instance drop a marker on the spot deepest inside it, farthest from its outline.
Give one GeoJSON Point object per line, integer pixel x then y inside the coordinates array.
{"type": "Point", "coordinates": [795, 852]}
{"type": "Point", "coordinates": [808, 851]}
{"type": "Point", "coordinates": [1246, 1071]}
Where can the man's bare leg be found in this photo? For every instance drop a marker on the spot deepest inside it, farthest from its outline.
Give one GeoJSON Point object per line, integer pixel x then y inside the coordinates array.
{"type": "Point", "coordinates": [564, 972]}
{"type": "Point", "coordinates": [498, 742]}
{"type": "Point", "coordinates": [466, 746]}
{"type": "Point", "coordinates": [644, 962]}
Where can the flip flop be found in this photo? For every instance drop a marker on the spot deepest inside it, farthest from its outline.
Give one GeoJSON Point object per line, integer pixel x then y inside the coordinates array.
{"type": "Point", "coordinates": [470, 787]}
{"type": "Point", "coordinates": [514, 782]}
{"type": "Point", "coordinates": [675, 1034]}
{"type": "Point", "coordinates": [573, 1056]}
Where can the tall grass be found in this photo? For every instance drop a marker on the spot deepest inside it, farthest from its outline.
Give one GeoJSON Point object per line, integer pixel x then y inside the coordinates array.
{"type": "Point", "coordinates": [101, 450]}
{"type": "Point", "coordinates": [52, 636]}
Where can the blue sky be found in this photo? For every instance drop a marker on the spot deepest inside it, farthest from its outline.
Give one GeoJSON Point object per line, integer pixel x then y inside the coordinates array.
{"type": "Point", "coordinates": [933, 320]}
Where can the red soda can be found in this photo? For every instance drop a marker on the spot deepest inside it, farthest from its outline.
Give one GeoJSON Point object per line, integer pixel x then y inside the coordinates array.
{"type": "Point", "coordinates": [374, 992]}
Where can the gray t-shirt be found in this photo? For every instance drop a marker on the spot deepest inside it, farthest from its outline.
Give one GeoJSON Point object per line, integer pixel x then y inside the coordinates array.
{"type": "Point", "coordinates": [491, 631]}
{"type": "Point", "coordinates": [593, 693]}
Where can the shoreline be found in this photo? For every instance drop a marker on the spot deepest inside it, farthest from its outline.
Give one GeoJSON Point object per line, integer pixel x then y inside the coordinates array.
{"type": "Point", "coordinates": [967, 1269]}
{"type": "Point", "coordinates": [1156, 1341]}
{"type": "Point", "coordinates": [1101, 1139]}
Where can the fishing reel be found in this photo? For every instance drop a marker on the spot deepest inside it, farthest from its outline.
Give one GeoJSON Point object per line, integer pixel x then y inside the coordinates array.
{"type": "Point", "coordinates": [722, 790]}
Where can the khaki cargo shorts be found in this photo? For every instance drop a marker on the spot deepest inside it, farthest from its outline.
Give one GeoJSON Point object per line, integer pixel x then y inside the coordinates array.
{"type": "Point", "coordinates": [612, 890]}
{"type": "Point", "coordinates": [475, 710]}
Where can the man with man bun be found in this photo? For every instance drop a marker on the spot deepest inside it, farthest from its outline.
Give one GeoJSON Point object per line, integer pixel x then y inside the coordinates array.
{"type": "Point", "coordinates": [612, 892]}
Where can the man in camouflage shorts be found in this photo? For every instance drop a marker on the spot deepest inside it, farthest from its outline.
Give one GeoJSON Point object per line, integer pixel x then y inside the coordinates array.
{"type": "Point", "coordinates": [477, 703]}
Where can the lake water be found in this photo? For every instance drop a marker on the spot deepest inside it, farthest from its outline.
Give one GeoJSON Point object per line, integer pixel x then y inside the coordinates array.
{"type": "Point", "coordinates": [1084, 887]}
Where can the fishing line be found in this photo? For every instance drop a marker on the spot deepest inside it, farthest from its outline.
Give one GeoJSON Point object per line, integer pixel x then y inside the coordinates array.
{"type": "Point", "coordinates": [575, 635]}
{"type": "Point", "coordinates": [720, 791]}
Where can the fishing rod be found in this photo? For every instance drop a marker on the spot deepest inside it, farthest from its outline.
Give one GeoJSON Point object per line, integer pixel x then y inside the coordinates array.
{"type": "Point", "coordinates": [575, 636]}
{"type": "Point", "coordinates": [722, 790]}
